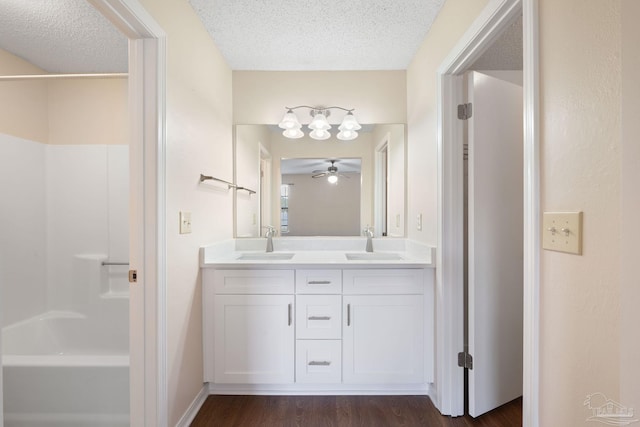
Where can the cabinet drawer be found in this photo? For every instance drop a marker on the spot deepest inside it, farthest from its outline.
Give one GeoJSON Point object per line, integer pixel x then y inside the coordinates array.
{"type": "Point", "coordinates": [254, 281]}
{"type": "Point", "coordinates": [318, 361]}
{"type": "Point", "coordinates": [383, 281]}
{"type": "Point", "coordinates": [318, 281]}
{"type": "Point", "coordinates": [318, 316]}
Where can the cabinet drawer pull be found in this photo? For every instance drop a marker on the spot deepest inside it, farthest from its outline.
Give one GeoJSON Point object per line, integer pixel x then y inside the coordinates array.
{"type": "Point", "coordinates": [319, 317]}
{"type": "Point", "coordinates": [319, 363]}
{"type": "Point", "coordinates": [289, 312]}
{"type": "Point", "coordinates": [348, 314]}
{"type": "Point", "coordinates": [319, 282]}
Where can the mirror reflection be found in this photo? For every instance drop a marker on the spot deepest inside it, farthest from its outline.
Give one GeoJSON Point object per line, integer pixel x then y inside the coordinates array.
{"type": "Point", "coordinates": [320, 197]}
{"type": "Point", "coordinates": [369, 187]}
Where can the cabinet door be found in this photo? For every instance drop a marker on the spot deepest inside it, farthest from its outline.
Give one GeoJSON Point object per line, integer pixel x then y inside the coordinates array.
{"type": "Point", "coordinates": [383, 339]}
{"type": "Point", "coordinates": [254, 339]}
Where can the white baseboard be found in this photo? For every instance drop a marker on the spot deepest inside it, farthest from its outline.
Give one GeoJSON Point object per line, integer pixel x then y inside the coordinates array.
{"type": "Point", "coordinates": [195, 406]}
{"type": "Point", "coordinates": [317, 389]}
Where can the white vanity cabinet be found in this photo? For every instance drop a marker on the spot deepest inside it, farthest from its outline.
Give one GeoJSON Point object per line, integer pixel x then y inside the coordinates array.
{"type": "Point", "coordinates": [326, 329]}
{"type": "Point", "coordinates": [383, 332]}
{"type": "Point", "coordinates": [249, 326]}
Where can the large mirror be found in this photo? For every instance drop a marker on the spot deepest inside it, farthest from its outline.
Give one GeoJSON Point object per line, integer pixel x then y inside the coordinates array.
{"type": "Point", "coordinates": [305, 187]}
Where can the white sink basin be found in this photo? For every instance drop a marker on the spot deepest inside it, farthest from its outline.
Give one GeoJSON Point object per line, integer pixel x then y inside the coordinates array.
{"type": "Point", "coordinates": [372, 256]}
{"type": "Point", "coordinates": [266, 256]}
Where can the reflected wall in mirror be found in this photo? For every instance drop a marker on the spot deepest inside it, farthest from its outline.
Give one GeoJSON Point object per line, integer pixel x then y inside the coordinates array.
{"type": "Point", "coordinates": [320, 197]}
{"type": "Point", "coordinates": [259, 152]}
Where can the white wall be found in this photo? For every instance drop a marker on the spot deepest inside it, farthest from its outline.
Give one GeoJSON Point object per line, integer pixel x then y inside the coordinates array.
{"type": "Point", "coordinates": [199, 140]}
{"type": "Point", "coordinates": [580, 171]}
{"type": "Point", "coordinates": [318, 208]}
{"type": "Point", "coordinates": [422, 151]}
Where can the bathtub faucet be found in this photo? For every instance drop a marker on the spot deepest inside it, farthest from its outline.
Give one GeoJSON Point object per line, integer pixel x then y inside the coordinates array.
{"type": "Point", "coordinates": [368, 232]}
{"type": "Point", "coordinates": [271, 231]}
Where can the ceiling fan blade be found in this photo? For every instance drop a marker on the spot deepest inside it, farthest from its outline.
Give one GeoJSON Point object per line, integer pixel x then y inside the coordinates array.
{"type": "Point", "coordinates": [319, 175]}
{"type": "Point", "coordinates": [319, 170]}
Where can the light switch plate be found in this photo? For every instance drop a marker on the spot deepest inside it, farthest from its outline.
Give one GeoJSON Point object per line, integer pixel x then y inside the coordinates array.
{"type": "Point", "coordinates": [419, 222]}
{"type": "Point", "coordinates": [562, 232]}
{"type": "Point", "coordinates": [185, 222]}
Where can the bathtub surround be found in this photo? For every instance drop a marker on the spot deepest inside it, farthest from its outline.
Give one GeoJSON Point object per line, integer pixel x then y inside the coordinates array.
{"type": "Point", "coordinates": [67, 201]}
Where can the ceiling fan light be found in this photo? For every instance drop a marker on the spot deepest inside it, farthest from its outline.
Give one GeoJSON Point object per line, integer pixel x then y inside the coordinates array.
{"type": "Point", "coordinates": [349, 122]}
{"type": "Point", "coordinates": [319, 122]}
{"type": "Point", "coordinates": [332, 178]}
{"type": "Point", "coordinates": [293, 133]}
{"type": "Point", "coordinates": [290, 121]}
{"type": "Point", "coordinates": [320, 134]}
{"type": "Point", "coordinates": [347, 135]}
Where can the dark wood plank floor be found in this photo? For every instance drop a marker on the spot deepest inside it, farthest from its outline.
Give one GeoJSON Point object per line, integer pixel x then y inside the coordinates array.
{"type": "Point", "coordinates": [342, 411]}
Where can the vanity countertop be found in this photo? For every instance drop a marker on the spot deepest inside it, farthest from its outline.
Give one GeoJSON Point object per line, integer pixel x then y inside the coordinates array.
{"type": "Point", "coordinates": [229, 256]}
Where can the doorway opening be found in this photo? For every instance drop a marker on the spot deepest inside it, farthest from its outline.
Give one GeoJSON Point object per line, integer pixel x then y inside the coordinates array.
{"type": "Point", "coordinates": [497, 16]}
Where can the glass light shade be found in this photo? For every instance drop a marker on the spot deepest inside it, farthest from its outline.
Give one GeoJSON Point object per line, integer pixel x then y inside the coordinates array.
{"type": "Point", "coordinates": [347, 135]}
{"type": "Point", "coordinates": [349, 122]}
{"type": "Point", "coordinates": [320, 134]}
{"type": "Point", "coordinates": [293, 133]}
{"type": "Point", "coordinates": [290, 121]}
{"type": "Point", "coordinates": [319, 122]}
{"type": "Point", "coordinates": [332, 179]}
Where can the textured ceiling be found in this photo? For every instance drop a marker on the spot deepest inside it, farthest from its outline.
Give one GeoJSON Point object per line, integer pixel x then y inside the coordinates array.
{"type": "Point", "coordinates": [506, 52]}
{"type": "Point", "coordinates": [62, 36]}
{"type": "Point", "coordinates": [70, 36]}
{"type": "Point", "coordinates": [317, 35]}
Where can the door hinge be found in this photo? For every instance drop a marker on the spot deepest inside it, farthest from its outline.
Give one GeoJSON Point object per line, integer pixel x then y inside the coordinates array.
{"type": "Point", "coordinates": [465, 111]}
{"type": "Point", "coordinates": [133, 276]}
{"type": "Point", "coordinates": [465, 360]}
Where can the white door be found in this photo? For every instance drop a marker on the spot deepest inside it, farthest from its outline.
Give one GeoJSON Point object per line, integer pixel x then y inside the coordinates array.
{"type": "Point", "coordinates": [254, 339]}
{"type": "Point", "coordinates": [383, 339]}
{"type": "Point", "coordinates": [495, 230]}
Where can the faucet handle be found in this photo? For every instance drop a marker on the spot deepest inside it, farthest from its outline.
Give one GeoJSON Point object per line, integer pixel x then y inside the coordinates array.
{"type": "Point", "coordinates": [271, 230]}
{"type": "Point", "coordinates": [368, 231]}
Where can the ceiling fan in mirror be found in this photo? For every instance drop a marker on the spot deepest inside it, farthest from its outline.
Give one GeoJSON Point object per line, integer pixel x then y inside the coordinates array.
{"type": "Point", "coordinates": [331, 173]}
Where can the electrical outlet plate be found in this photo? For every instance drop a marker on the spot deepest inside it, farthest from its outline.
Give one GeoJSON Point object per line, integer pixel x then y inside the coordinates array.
{"type": "Point", "coordinates": [562, 232]}
{"type": "Point", "coordinates": [185, 222]}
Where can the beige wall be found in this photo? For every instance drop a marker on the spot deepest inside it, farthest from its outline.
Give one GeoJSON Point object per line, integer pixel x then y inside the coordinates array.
{"type": "Point", "coordinates": [580, 47]}
{"type": "Point", "coordinates": [318, 208]}
{"type": "Point", "coordinates": [199, 140]}
{"type": "Point", "coordinates": [23, 110]}
{"type": "Point", "coordinates": [88, 111]}
{"type": "Point", "coordinates": [62, 112]}
{"type": "Point", "coordinates": [630, 206]}
{"type": "Point", "coordinates": [395, 138]}
{"type": "Point", "coordinates": [259, 97]}
{"type": "Point", "coordinates": [248, 140]}
{"type": "Point", "coordinates": [422, 151]}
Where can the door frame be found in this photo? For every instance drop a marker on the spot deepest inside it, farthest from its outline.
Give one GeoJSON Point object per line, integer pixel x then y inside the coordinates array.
{"type": "Point", "coordinates": [147, 240]}
{"type": "Point", "coordinates": [449, 391]}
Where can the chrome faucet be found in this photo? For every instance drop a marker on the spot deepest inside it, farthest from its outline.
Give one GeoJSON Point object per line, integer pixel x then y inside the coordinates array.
{"type": "Point", "coordinates": [271, 231]}
{"type": "Point", "coordinates": [368, 231]}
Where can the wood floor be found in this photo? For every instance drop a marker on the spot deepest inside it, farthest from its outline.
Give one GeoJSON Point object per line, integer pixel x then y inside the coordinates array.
{"type": "Point", "coordinates": [342, 411]}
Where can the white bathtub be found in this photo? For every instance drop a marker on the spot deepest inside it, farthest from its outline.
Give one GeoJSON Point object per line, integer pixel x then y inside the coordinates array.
{"type": "Point", "coordinates": [67, 369]}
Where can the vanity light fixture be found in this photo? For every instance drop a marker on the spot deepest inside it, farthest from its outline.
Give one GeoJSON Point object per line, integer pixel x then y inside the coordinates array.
{"type": "Point", "coordinates": [319, 125]}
